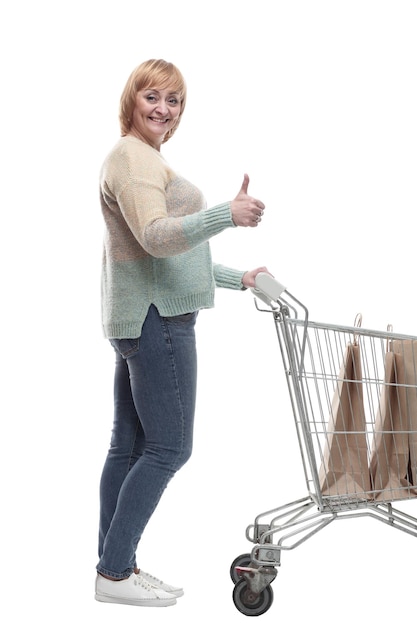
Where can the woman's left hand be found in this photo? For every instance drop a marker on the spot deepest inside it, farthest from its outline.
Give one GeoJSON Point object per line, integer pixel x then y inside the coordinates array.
{"type": "Point", "coordinates": [248, 279]}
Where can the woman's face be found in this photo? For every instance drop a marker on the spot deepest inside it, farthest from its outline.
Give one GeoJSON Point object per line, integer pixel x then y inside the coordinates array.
{"type": "Point", "coordinates": [155, 113]}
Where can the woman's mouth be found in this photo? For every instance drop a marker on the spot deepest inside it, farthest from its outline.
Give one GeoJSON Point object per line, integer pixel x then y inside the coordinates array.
{"type": "Point", "coordinates": [158, 120]}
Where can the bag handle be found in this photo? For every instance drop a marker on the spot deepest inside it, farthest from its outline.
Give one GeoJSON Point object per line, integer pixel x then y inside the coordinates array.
{"type": "Point", "coordinates": [357, 324]}
{"type": "Point", "coordinates": [390, 328]}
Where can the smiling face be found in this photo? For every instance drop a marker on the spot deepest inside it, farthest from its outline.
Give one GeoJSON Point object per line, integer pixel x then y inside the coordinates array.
{"type": "Point", "coordinates": [156, 112]}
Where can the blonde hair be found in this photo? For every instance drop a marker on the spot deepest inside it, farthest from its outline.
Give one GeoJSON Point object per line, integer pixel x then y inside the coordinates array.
{"type": "Point", "coordinates": [149, 74]}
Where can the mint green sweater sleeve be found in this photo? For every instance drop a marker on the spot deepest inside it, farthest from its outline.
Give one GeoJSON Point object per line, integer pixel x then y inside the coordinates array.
{"type": "Point", "coordinates": [170, 236]}
{"type": "Point", "coordinates": [201, 226]}
{"type": "Point", "coordinates": [228, 277]}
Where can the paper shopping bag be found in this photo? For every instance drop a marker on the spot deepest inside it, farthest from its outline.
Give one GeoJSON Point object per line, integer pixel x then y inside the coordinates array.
{"type": "Point", "coordinates": [407, 348]}
{"type": "Point", "coordinates": [344, 469]}
{"type": "Point", "coordinates": [389, 462]}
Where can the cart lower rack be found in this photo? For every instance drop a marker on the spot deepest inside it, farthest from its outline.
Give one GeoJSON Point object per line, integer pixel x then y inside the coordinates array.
{"type": "Point", "coordinates": [354, 398]}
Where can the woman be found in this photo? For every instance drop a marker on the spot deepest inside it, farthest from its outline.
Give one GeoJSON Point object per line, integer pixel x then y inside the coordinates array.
{"type": "Point", "coordinates": [157, 274]}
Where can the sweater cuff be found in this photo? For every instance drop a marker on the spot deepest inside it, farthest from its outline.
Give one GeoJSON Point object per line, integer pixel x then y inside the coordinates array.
{"type": "Point", "coordinates": [228, 277]}
{"type": "Point", "coordinates": [217, 218]}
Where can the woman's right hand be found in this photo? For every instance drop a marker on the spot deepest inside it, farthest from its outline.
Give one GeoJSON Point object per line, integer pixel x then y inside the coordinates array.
{"type": "Point", "coordinates": [246, 211]}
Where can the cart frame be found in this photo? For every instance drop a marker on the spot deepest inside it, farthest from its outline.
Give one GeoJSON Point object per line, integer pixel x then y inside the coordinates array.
{"type": "Point", "coordinates": [312, 353]}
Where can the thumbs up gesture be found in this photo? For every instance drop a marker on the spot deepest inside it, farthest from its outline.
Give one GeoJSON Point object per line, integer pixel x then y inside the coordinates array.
{"type": "Point", "coordinates": [246, 211]}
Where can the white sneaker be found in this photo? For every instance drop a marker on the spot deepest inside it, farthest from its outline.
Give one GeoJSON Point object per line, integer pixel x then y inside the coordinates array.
{"type": "Point", "coordinates": [155, 582]}
{"type": "Point", "coordinates": [134, 590]}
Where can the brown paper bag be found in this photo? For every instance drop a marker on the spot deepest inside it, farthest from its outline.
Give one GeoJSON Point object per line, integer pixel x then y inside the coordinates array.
{"type": "Point", "coordinates": [408, 349]}
{"type": "Point", "coordinates": [344, 470]}
{"type": "Point", "coordinates": [389, 462]}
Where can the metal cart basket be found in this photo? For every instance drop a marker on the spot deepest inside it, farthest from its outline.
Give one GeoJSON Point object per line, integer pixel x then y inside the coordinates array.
{"type": "Point", "coordinates": [354, 398]}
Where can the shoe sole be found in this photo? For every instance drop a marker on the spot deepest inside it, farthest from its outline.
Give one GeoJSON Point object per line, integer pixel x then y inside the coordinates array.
{"type": "Point", "coordinates": [151, 602]}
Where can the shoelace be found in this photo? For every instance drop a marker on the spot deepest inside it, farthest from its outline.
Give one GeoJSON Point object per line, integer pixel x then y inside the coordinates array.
{"type": "Point", "coordinates": [142, 582]}
{"type": "Point", "coordinates": [155, 581]}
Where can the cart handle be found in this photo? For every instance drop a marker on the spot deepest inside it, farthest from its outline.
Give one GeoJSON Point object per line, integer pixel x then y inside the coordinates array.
{"type": "Point", "coordinates": [267, 288]}
{"type": "Point", "coordinates": [270, 290]}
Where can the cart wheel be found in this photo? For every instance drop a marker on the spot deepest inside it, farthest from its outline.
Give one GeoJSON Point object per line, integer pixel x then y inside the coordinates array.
{"type": "Point", "coordinates": [249, 603]}
{"type": "Point", "coordinates": [240, 561]}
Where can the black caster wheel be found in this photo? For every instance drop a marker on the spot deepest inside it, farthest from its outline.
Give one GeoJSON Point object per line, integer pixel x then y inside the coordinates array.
{"type": "Point", "coordinates": [250, 603]}
{"type": "Point", "coordinates": [240, 561]}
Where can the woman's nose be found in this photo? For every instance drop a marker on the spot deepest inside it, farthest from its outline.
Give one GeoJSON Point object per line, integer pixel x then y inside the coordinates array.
{"type": "Point", "coordinates": [162, 108]}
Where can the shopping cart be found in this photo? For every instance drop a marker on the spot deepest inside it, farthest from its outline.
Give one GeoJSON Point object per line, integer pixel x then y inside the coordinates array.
{"type": "Point", "coordinates": [353, 394]}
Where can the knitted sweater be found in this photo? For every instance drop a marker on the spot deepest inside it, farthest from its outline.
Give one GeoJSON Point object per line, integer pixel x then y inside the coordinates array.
{"type": "Point", "coordinates": [156, 241]}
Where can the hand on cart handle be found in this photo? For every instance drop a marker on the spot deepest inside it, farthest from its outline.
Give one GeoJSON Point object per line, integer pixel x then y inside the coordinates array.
{"type": "Point", "coordinates": [267, 288]}
{"type": "Point", "coordinates": [246, 211]}
{"type": "Point", "coordinates": [249, 279]}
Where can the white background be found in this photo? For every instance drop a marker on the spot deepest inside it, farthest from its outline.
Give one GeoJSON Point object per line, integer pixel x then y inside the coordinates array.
{"type": "Point", "coordinates": [317, 101]}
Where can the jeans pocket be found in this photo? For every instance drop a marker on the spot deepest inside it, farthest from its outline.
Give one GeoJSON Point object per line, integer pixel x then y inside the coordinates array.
{"type": "Point", "coordinates": [125, 347]}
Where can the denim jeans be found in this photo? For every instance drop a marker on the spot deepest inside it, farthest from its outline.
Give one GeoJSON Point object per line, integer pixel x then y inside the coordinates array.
{"type": "Point", "coordinates": [154, 403]}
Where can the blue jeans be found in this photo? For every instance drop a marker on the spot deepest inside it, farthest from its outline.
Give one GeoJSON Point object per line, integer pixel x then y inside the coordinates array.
{"type": "Point", "coordinates": [154, 403]}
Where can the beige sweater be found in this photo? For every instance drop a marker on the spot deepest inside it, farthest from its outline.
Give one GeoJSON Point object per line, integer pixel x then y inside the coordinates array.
{"type": "Point", "coordinates": [156, 242]}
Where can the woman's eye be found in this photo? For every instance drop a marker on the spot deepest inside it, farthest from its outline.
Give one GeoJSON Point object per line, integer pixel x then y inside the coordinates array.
{"type": "Point", "coordinates": [173, 101]}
